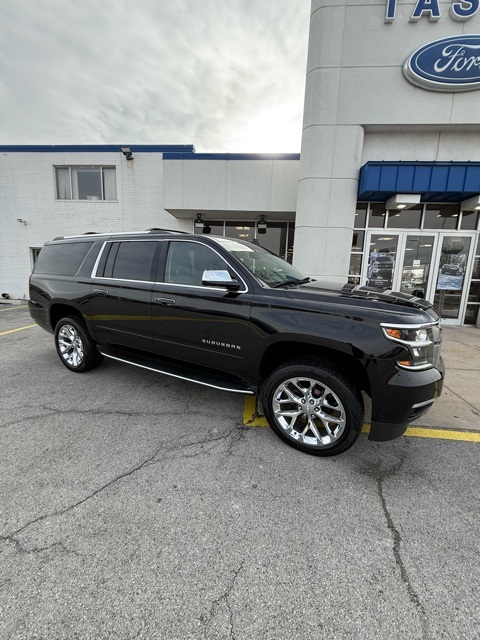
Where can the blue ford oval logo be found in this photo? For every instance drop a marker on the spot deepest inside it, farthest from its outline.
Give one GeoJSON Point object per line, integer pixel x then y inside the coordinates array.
{"type": "Point", "coordinates": [449, 64]}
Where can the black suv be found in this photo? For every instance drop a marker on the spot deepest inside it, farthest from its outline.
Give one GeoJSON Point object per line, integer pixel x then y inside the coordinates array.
{"type": "Point", "coordinates": [232, 315]}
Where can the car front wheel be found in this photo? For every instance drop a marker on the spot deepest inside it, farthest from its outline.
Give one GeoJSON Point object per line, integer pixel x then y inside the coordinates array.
{"type": "Point", "coordinates": [313, 408]}
{"type": "Point", "coordinates": [74, 345]}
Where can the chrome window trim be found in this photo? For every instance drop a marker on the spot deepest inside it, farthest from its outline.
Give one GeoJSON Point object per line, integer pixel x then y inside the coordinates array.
{"type": "Point", "coordinates": [196, 286]}
{"type": "Point", "coordinates": [124, 280]}
{"type": "Point", "coordinates": [172, 284]}
{"type": "Point", "coordinates": [95, 266]}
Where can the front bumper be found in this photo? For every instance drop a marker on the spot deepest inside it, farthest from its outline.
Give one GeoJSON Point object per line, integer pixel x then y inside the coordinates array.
{"type": "Point", "coordinates": [403, 398]}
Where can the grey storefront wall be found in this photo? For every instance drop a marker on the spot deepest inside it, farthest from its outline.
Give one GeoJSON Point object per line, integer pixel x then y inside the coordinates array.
{"type": "Point", "coordinates": [392, 94]}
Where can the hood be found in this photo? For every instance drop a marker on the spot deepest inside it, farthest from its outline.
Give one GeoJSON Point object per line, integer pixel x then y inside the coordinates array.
{"type": "Point", "coordinates": [366, 297]}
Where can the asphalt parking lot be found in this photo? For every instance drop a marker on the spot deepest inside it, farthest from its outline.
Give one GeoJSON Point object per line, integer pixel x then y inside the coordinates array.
{"type": "Point", "coordinates": [134, 505]}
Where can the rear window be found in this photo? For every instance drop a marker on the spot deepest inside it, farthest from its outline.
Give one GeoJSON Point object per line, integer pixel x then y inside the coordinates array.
{"type": "Point", "coordinates": [62, 259]}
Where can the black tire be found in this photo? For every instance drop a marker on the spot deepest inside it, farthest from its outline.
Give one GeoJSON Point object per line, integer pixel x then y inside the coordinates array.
{"type": "Point", "coordinates": [75, 347]}
{"type": "Point", "coordinates": [327, 400]}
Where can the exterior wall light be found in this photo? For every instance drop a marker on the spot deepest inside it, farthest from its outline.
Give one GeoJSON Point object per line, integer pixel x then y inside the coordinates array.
{"type": "Point", "coordinates": [403, 201]}
{"type": "Point", "coordinates": [262, 225]}
{"type": "Point", "coordinates": [472, 204]}
{"type": "Point", "coordinates": [127, 152]}
{"type": "Point", "coordinates": [21, 221]}
{"type": "Point", "coordinates": [201, 225]}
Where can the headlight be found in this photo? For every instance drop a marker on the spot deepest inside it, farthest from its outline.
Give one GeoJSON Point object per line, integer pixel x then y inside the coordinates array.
{"type": "Point", "coordinates": [421, 342]}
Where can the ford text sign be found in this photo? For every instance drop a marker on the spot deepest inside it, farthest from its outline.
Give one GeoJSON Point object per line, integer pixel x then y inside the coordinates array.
{"type": "Point", "coordinates": [449, 64]}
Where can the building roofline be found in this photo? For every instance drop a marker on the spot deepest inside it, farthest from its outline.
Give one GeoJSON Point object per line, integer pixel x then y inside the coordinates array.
{"type": "Point", "coordinates": [231, 156]}
{"type": "Point", "coordinates": [169, 151]}
{"type": "Point", "coordinates": [97, 148]}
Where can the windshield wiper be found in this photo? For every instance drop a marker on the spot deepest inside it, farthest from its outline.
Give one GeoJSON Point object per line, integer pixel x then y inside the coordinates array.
{"type": "Point", "coordinates": [292, 283]}
{"type": "Point", "coordinates": [305, 280]}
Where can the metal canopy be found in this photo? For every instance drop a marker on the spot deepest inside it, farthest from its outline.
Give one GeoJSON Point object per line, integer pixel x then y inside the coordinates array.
{"type": "Point", "coordinates": [434, 181]}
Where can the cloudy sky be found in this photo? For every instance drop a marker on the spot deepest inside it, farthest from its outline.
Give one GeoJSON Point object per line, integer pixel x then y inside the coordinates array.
{"type": "Point", "coordinates": [224, 75]}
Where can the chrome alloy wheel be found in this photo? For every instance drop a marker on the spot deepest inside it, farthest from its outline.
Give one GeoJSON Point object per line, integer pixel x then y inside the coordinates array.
{"type": "Point", "coordinates": [309, 412]}
{"type": "Point", "coordinates": [71, 345]}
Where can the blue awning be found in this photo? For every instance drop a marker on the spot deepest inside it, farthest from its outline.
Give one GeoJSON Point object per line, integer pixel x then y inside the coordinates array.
{"type": "Point", "coordinates": [434, 181]}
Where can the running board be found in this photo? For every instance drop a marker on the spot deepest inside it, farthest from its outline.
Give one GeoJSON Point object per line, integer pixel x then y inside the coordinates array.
{"type": "Point", "coordinates": [176, 371]}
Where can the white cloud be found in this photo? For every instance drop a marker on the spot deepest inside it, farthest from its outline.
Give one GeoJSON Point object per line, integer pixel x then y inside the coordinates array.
{"type": "Point", "coordinates": [224, 75]}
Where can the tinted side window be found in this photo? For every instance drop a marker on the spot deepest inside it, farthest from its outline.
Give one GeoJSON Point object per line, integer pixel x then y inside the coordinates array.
{"type": "Point", "coordinates": [134, 260]}
{"type": "Point", "coordinates": [62, 259]}
{"type": "Point", "coordinates": [110, 259]}
{"type": "Point", "coordinates": [186, 262]}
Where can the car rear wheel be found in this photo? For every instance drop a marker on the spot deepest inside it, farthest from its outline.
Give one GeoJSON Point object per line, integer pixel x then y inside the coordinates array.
{"type": "Point", "coordinates": [74, 345]}
{"type": "Point", "coordinates": [313, 408]}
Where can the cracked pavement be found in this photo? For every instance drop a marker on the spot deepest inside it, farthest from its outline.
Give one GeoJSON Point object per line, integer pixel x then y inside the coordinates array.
{"type": "Point", "coordinates": [134, 505]}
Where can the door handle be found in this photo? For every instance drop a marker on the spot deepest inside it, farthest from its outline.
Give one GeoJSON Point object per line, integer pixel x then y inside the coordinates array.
{"type": "Point", "coordinates": [101, 292]}
{"type": "Point", "coordinates": [167, 302]}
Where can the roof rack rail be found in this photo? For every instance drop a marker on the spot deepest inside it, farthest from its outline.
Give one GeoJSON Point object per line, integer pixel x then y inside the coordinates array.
{"type": "Point", "coordinates": [119, 233]}
{"type": "Point", "coordinates": [155, 229]}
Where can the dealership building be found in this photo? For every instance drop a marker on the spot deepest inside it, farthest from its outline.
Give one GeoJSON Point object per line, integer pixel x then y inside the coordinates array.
{"type": "Point", "coordinates": [385, 191]}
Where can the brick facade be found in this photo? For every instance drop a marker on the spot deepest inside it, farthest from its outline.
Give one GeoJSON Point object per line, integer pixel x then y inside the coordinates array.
{"type": "Point", "coordinates": [27, 188]}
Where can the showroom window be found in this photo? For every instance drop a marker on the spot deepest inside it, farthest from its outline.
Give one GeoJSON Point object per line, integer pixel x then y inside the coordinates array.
{"type": "Point", "coordinates": [358, 238]}
{"type": "Point", "coordinates": [377, 215]}
{"type": "Point", "coordinates": [469, 220]}
{"type": "Point", "coordinates": [405, 218]}
{"type": "Point", "coordinates": [85, 183]}
{"type": "Point", "coordinates": [277, 236]}
{"type": "Point", "coordinates": [441, 216]}
{"type": "Point", "coordinates": [473, 303]}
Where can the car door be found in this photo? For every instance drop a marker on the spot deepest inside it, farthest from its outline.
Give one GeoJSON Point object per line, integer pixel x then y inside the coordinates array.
{"type": "Point", "coordinates": [121, 294]}
{"type": "Point", "coordinates": [202, 325]}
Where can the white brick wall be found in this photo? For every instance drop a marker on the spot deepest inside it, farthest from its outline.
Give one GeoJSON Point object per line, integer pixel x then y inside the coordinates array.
{"type": "Point", "coordinates": [27, 191]}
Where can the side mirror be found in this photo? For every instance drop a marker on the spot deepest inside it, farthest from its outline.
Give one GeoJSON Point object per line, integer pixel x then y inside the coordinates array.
{"type": "Point", "coordinates": [221, 279]}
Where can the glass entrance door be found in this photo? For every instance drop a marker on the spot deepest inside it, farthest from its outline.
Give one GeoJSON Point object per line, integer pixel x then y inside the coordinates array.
{"type": "Point", "coordinates": [452, 264]}
{"type": "Point", "coordinates": [416, 273]}
{"type": "Point", "coordinates": [430, 265]}
{"type": "Point", "coordinates": [402, 261]}
{"type": "Point", "coordinates": [382, 260]}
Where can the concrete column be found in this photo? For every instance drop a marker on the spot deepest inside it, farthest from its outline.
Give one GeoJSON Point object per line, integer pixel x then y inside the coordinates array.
{"type": "Point", "coordinates": [330, 157]}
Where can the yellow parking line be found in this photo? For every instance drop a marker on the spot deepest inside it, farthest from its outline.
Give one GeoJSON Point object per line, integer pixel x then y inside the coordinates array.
{"type": "Point", "coordinates": [4, 333]}
{"type": "Point", "coordinates": [23, 306]}
{"type": "Point", "coordinates": [442, 434]}
{"type": "Point", "coordinates": [252, 419]}
{"type": "Point", "coordinates": [250, 415]}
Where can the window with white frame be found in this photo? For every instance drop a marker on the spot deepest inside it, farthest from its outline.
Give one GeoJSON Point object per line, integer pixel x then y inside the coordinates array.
{"type": "Point", "coordinates": [34, 253]}
{"type": "Point", "coordinates": [85, 183]}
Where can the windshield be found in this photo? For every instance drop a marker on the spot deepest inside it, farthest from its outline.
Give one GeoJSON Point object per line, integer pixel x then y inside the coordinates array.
{"type": "Point", "coordinates": [267, 267]}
